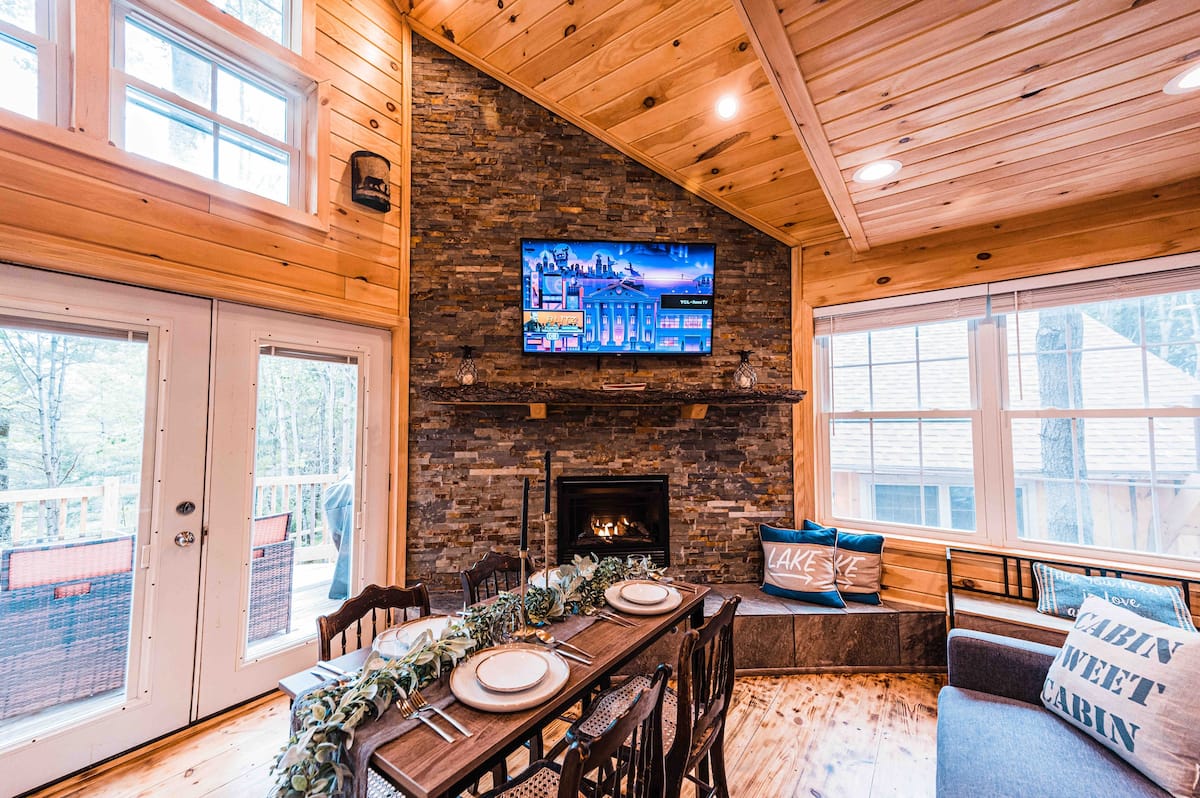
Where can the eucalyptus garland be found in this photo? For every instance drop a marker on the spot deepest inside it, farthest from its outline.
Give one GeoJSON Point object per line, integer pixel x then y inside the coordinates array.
{"type": "Point", "coordinates": [313, 763]}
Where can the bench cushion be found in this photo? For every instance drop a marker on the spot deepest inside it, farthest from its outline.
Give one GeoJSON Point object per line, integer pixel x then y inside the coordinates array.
{"type": "Point", "coordinates": [993, 747]}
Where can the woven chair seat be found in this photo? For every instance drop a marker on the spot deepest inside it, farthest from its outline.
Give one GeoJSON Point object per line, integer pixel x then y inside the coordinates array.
{"type": "Point", "coordinates": [539, 781]}
{"type": "Point", "coordinates": [378, 787]}
{"type": "Point", "coordinates": [616, 700]}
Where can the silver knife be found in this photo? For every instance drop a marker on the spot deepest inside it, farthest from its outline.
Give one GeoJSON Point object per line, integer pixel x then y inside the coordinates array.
{"type": "Point", "coordinates": [451, 720]}
{"type": "Point", "coordinates": [569, 655]}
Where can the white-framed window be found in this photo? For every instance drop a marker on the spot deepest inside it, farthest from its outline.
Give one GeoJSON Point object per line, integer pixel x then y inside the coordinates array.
{"type": "Point", "coordinates": [272, 18]}
{"type": "Point", "coordinates": [30, 56]}
{"type": "Point", "coordinates": [1056, 412]}
{"type": "Point", "coordinates": [186, 101]}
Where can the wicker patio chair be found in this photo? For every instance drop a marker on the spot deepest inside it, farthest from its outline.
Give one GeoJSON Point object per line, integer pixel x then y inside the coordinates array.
{"type": "Point", "coordinates": [272, 562]}
{"type": "Point", "coordinates": [65, 611]}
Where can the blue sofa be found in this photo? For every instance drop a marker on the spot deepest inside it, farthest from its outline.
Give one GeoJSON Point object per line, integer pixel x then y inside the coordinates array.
{"type": "Point", "coordinates": [996, 740]}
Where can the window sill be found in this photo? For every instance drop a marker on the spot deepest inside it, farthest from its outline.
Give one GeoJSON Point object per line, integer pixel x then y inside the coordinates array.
{"type": "Point", "coordinates": [224, 201]}
{"type": "Point", "coordinates": [922, 544]}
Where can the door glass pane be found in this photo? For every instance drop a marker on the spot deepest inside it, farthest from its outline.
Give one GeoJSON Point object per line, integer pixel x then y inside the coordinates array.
{"type": "Point", "coordinates": [302, 533]}
{"type": "Point", "coordinates": [72, 421]}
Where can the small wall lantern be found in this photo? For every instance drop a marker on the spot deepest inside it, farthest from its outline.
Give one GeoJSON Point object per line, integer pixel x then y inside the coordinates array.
{"type": "Point", "coordinates": [370, 181]}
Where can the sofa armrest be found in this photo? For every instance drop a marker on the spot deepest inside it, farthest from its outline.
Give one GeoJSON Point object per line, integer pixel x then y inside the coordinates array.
{"type": "Point", "coordinates": [1003, 666]}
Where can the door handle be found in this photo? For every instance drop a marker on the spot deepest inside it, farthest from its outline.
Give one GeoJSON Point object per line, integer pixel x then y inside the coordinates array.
{"type": "Point", "coordinates": [185, 539]}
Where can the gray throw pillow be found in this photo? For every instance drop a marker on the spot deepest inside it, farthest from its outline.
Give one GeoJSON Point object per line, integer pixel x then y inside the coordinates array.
{"type": "Point", "coordinates": [1133, 685]}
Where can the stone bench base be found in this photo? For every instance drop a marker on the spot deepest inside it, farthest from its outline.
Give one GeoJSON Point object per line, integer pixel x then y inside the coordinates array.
{"type": "Point", "coordinates": [779, 636]}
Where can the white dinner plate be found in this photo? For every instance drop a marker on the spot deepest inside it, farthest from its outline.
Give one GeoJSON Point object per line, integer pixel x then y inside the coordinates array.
{"type": "Point", "coordinates": [641, 591]}
{"type": "Point", "coordinates": [467, 689]}
{"type": "Point", "coordinates": [511, 670]}
{"type": "Point", "coordinates": [396, 641]}
{"type": "Point", "coordinates": [613, 596]}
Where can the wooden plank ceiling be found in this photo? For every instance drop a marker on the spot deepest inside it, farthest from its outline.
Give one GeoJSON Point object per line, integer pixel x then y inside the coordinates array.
{"type": "Point", "coordinates": [995, 109]}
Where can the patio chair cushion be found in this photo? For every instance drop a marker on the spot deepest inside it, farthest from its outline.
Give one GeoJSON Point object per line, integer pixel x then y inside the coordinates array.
{"type": "Point", "coordinates": [48, 565]}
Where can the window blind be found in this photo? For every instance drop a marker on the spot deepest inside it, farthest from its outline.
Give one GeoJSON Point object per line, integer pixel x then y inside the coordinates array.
{"type": "Point", "coordinates": [1168, 275]}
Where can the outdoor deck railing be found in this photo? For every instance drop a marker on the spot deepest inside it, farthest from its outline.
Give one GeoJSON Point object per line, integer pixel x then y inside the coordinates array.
{"type": "Point", "coordinates": [111, 507]}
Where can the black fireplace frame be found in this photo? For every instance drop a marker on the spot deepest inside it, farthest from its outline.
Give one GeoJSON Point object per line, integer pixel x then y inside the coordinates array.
{"type": "Point", "coordinates": [659, 550]}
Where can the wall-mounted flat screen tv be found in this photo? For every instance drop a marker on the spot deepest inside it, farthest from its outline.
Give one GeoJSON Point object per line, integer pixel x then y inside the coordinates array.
{"type": "Point", "coordinates": [616, 297]}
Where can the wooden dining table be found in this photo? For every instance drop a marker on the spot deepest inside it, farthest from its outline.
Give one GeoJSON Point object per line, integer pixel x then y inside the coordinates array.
{"type": "Point", "coordinates": [423, 765]}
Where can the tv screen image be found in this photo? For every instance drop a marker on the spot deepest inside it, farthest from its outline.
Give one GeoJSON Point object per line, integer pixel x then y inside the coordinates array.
{"type": "Point", "coordinates": [616, 297]}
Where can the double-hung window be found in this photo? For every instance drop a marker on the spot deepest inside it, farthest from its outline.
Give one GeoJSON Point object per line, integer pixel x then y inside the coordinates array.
{"type": "Point", "coordinates": [272, 18]}
{"type": "Point", "coordinates": [29, 57]}
{"type": "Point", "coordinates": [1044, 413]}
{"type": "Point", "coordinates": [185, 101]}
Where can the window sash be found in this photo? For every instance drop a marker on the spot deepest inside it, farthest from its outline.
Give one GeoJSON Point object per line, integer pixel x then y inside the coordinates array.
{"type": "Point", "coordinates": [998, 508]}
{"type": "Point", "coordinates": [48, 56]}
{"type": "Point", "coordinates": [217, 61]}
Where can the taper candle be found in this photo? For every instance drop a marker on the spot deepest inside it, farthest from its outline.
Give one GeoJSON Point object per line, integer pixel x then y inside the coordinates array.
{"type": "Point", "coordinates": [525, 516]}
{"type": "Point", "coordinates": [546, 508]}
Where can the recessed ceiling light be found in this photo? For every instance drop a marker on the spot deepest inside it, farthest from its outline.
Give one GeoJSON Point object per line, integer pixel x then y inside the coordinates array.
{"type": "Point", "coordinates": [727, 107]}
{"type": "Point", "coordinates": [876, 171]}
{"type": "Point", "coordinates": [1188, 81]}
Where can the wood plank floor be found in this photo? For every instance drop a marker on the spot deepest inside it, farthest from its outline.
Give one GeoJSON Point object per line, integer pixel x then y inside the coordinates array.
{"type": "Point", "coordinates": [812, 736]}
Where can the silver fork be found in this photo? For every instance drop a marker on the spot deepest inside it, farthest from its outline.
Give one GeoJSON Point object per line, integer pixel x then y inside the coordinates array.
{"type": "Point", "coordinates": [418, 701]}
{"type": "Point", "coordinates": [409, 711]}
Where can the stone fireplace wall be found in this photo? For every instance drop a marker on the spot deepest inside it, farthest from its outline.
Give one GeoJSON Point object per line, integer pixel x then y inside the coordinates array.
{"type": "Point", "coordinates": [491, 167]}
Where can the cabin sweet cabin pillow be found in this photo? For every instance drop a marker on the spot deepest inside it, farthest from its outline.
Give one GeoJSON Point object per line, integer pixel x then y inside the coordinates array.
{"type": "Point", "coordinates": [1133, 685]}
{"type": "Point", "coordinates": [799, 564]}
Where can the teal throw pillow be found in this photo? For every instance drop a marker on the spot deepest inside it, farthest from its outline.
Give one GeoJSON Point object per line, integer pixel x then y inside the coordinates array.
{"type": "Point", "coordinates": [799, 564]}
{"type": "Point", "coordinates": [859, 564]}
{"type": "Point", "coordinates": [1062, 593]}
{"type": "Point", "coordinates": [1132, 685]}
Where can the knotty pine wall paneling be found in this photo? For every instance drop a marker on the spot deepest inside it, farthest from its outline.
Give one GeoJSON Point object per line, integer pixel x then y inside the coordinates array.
{"type": "Point", "coordinates": [1145, 224]}
{"type": "Point", "coordinates": [65, 210]}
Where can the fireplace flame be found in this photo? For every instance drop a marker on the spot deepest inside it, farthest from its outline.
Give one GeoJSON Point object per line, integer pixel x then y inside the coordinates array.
{"type": "Point", "coordinates": [603, 528]}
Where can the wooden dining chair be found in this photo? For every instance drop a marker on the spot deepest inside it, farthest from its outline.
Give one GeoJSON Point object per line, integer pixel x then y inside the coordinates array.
{"type": "Point", "coordinates": [693, 713]}
{"type": "Point", "coordinates": [494, 573]}
{"type": "Point", "coordinates": [624, 761]}
{"type": "Point", "coordinates": [386, 606]}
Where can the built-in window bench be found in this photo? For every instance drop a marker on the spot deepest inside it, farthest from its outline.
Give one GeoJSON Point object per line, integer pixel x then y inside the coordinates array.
{"type": "Point", "coordinates": [997, 593]}
{"type": "Point", "coordinates": [778, 636]}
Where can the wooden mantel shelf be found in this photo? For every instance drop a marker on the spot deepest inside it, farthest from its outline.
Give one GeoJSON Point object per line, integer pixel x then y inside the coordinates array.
{"type": "Point", "coordinates": [692, 402]}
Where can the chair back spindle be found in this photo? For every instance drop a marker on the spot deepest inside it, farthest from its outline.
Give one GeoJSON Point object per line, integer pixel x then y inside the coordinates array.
{"type": "Point", "coordinates": [626, 760]}
{"type": "Point", "coordinates": [494, 573]}
{"type": "Point", "coordinates": [704, 686]}
{"type": "Point", "coordinates": [392, 602]}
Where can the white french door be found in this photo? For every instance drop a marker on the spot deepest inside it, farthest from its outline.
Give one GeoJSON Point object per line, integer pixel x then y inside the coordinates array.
{"type": "Point", "coordinates": [297, 487]}
{"type": "Point", "coordinates": [103, 442]}
{"type": "Point", "coordinates": [184, 486]}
